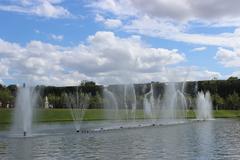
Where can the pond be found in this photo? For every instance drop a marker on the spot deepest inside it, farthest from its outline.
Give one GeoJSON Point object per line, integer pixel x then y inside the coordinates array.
{"type": "Point", "coordinates": [213, 139]}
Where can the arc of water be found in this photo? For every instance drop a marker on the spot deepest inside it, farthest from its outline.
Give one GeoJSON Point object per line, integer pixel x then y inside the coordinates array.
{"type": "Point", "coordinates": [110, 103]}
{"type": "Point", "coordinates": [125, 101]}
{"type": "Point", "coordinates": [174, 102]}
{"type": "Point", "coordinates": [149, 103]}
{"type": "Point", "coordinates": [77, 105]}
{"type": "Point", "coordinates": [130, 100]}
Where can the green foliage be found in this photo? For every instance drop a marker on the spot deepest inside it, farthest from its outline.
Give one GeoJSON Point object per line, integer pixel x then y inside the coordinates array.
{"type": "Point", "coordinates": [95, 102]}
{"type": "Point", "coordinates": [225, 93]}
{"type": "Point", "coordinates": [60, 115]}
{"type": "Point", "coordinates": [5, 97]}
{"type": "Point", "coordinates": [226, 114]}
{"type": "Point", "coordinates": [6, 115]}
{"type": "Point", "coordinates": [233, 100]}
{"type": "Point", "coordinates": [56, 101]}
{"type": "Point", "coordinates": [218, 101]}
{"type": "Point", "coordinates": [232, 78]}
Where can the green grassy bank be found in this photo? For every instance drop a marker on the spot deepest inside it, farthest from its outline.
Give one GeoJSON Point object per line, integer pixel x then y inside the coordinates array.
{"type": "Point", "coordinates": [57, 115]}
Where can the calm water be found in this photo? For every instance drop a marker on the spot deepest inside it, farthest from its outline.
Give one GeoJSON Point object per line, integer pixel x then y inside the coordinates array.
{"type": "Point", "coordinates": [216, 139]}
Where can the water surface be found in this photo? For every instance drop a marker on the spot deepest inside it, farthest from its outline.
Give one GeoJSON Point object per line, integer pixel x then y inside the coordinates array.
{"type": "Point", "coordinates": [215, 139]}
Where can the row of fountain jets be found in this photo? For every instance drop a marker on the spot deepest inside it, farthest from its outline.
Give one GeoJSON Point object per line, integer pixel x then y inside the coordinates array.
{"type": "Point", "coordinates": [172, 105]}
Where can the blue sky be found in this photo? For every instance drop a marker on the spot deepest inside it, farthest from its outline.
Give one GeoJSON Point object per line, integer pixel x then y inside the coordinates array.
{"type": "Point", "coordinates": [60, 42]}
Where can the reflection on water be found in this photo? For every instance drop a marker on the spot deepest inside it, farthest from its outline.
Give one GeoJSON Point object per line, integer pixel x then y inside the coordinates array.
{"type": "Point", "coordinates": [21, 149]}
{"type": "Point", "coordinates": [217, 139]}
{"type": "Point", "coordinates": [205, 137]}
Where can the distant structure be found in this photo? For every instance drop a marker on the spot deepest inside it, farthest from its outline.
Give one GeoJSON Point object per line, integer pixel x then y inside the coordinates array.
{"type": "Point", "coordinates": [46, 104]}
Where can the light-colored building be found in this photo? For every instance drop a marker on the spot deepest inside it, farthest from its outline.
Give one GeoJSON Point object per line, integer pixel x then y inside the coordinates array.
{"type": "Point", "coordinates": [46, 104]}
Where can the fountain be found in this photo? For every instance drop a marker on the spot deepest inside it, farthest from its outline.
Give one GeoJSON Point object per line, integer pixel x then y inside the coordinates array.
{"type": "Point", "coordinates": [204, 106]}
{"type": "Point", "coordinates": [130, 101]}
{"type": "Point", "coordinates": [148, 103]}
{"type": "Point", "coordinates": [26, 100]}
{"type": "Point", "coordinates": [169, 107]}
{"type": "Point", "coordinates": [78, 105]}
{"type": "Point", "coordinates": [174, 103]}
{"type": "Point", "coordinates": [110, 105]}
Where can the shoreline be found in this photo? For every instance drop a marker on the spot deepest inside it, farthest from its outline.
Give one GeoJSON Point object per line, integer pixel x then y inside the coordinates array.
{"type": "Point", "coordinates": [64, 115]}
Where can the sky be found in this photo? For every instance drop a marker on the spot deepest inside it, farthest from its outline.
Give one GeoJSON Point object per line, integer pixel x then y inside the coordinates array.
{"type": "Point", "coordinates": [63, 42]}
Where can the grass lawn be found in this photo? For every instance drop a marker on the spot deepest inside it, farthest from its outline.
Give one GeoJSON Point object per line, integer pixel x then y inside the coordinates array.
{"type": "Point", "coordinates": [57, 115]}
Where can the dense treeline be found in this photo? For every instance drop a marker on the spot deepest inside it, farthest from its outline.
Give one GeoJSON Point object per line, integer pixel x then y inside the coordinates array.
{"type": "Point", "coordinates": [56, 94]}
{"type": "Point", "coordinates": [225, 93]}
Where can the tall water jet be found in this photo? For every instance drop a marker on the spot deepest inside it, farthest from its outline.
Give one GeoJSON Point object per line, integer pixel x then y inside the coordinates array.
{"type": "Point", "coordinates": [174, 103]}
{"type": "Point", "coordinates": [204, 106]}
{"type": "Point", "coordinates": [148, 103]}
{"type": "Point", "coordinates": [110, 105]}
{"type": "Point", "coordinates": [151, 104]}
{"type": "Point", "coordinates": [196, 87]}
{"type": "Point", "coordinates": [26, 100]}
{"type": "Point", "coordinates": [130, 101]}
{"type": "Point", "coordinates": [78, 104]}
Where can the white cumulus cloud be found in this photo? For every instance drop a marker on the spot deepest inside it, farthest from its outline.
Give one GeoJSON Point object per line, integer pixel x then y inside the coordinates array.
{"type": "Point", "coordinates": [105, 58]}
{"type": "Point", "coordinates": [172, 20]}
{"type": "Point", "coordinates": [185, 10]}
{"type": "Point", "coordinates": [229, 58]}
{"type": "Point", "coordinates": [42, 8]}
{"type": "Point", "coordinates": [199, 49]}
{"type": "Point", "coordinates": [109, 22]}
{"type": "Point", "coordinates": [57, 37]}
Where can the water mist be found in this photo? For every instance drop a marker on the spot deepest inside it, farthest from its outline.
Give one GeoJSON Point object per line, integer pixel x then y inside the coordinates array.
{"type": "Point", "coordinates": [25, 102]}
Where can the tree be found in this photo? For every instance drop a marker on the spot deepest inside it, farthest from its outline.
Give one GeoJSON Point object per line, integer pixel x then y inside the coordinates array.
{"type": "Point", "coordinates": [95, 101]}
{"type": "Point", "coordinates": [232, 78]}
{"type": "Point", "coordinates": [5, 97]}
{"type": "Point", "coordinates": [218, 101]}
{"type": "Point", "coordinates": [233, 101]}
{"type": "Point", "coordinates": [89, 87]}
{"type": "Point", "coordinates": [54, 100]}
